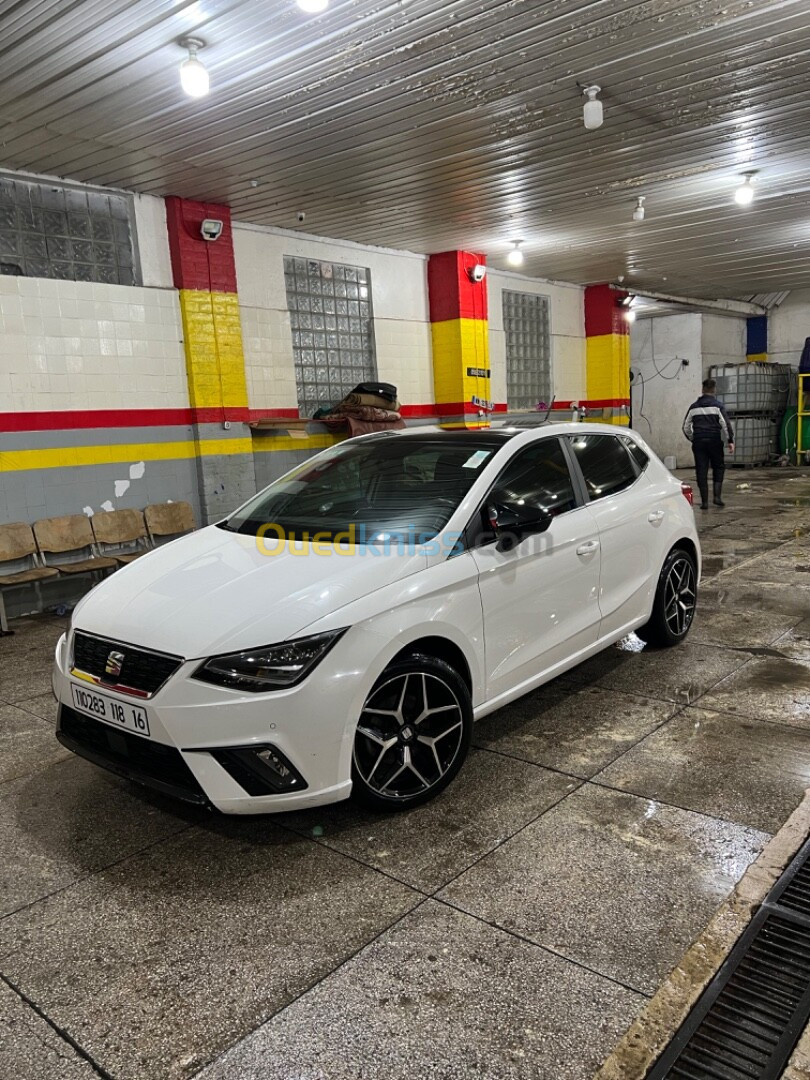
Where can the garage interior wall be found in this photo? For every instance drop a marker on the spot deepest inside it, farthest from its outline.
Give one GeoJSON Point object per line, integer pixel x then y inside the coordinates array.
{"type": "Point", "coordinates": [94, 403]}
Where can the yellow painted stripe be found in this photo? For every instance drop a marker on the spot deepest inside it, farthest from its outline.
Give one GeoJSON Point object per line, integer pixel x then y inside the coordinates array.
{"type": "Point", "coordinates": [607, 359]}
{"type": "Point", "coordinates": [467, 425]}
{"type": "Point", "coordinates": [269, 444]}
{"type": "Point", "coordinates": [757, 358]}
{"type": "Point", "coordinates": [126, 453]}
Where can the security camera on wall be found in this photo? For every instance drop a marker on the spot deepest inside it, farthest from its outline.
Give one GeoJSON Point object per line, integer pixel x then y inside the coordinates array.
{"type": "Point", "coordinates": [477, 273]}
{"type": "Point", "coordinates": [211, 229]}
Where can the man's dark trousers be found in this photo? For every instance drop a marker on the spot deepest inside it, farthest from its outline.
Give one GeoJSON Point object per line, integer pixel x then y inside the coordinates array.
{"type": "Point", "coordinates": [709, 452]}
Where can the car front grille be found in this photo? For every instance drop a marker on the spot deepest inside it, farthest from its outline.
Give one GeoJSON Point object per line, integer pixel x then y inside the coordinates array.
{"type": "Point", "coordinates": [140, 670]}
{"type": "Point", "coordinates": [147, 762]}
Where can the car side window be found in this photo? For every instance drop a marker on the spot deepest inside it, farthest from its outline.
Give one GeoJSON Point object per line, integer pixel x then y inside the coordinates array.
{"type": "Point", "coordinates": [537, 481]}
{"type": "Point", "coordinates": [605, 463]}
{"type": "Point", "coordinates": [638, 455]}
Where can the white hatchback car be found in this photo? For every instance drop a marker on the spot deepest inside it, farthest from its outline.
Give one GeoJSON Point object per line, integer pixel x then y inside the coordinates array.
{"type": "Point", "coordinates": [340, 632]}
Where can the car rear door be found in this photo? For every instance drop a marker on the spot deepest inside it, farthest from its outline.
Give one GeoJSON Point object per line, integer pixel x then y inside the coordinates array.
{"type": "Point", "coordinates": [539, 599]}
{"type": "Point", "coordinates": [620, 503]}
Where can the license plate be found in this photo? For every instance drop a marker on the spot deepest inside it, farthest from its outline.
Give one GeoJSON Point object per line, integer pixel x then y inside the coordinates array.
{"type": "Point", "coordinates": [118, 713]}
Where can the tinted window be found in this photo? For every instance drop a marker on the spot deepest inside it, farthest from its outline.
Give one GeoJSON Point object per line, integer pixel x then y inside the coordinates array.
{"type": "Point", "coordinates": [378, 486]}
{"type": "Point", "coordinates": [638, 455]}
{"type": "Point", "coordinates": [605, 464]}
{"type": "Point", "coordinates": [537, 479]}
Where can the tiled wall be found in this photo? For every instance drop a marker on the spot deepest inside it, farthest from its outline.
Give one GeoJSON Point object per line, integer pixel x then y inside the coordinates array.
{"type": "Point", "coordinates": [67, 345]}
{"type": "Point", "coordinates": [567, 333]}
{"type": "Point", "coordinates": [399, 295]}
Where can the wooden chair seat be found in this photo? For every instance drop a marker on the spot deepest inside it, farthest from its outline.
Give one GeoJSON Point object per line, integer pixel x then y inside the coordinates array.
{"type": "Point", "coordinates": [83, 566]}
{"type": "Point", "coordinates": [124, 559]}
{"type": "Point", "coordinates": [37, 573]}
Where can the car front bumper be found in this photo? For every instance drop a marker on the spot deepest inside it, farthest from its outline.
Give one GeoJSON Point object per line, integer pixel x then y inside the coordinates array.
{"type": "Point", "coordinates": [201, 736]}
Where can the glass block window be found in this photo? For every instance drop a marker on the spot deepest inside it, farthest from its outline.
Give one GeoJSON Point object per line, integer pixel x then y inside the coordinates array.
{"type": "Point", "coordinates": [528, 350]}
{"type": "Point", "coordinates": [75, 234]}
{"type": "Point", "coordinates": [332, 330]}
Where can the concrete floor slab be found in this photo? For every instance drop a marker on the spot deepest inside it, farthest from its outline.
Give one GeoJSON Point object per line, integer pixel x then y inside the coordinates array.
{"type": "Point", "coordinates": [43, 705]}
{"type": "Point", "coordinates": [70, 820]}
{"type": "Point", "coordinates": [768, 688]}
{"type": "Point", "coordinates": [492, 798]}
{"type": "Point", "coordinates": [25, 752]}
{"type": "Point", "coordinates": [157, 964]}
{"type": "Point", "coordinates": [739, 629]}
{"type": "Point", "coordinates": [720, 555]}
{"type": "Point", "coordinates": [730, 594]}
{"type": "Point", "coordinates": [683, 674]}
{"type": "Point", "coordinates": [796, 642]}
{"type": "Point", "coordinates": [766, 768]}
{"type": "Point", "coordinates": [437, 981]}
{"type": "Point", "coordinates": [611, 881]}
{"type": "Point", "coordinates": [30, 1047]}
{"type": "Point", "coordinates": [160, 936]}
{"type": "Point", "coordinates": [578, 731]}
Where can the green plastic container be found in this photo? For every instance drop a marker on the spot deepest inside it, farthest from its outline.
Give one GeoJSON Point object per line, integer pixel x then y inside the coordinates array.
{"type": "Point", "coordinates": [789, 430]}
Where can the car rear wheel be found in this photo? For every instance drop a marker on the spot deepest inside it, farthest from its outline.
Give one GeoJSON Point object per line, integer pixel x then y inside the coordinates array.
{"type": "Point", "coordinates": [413, 734]}
{"type": "Point", "coordinates": [675, 601]}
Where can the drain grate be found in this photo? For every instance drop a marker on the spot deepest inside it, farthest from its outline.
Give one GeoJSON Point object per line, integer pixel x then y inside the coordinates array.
{"type": "Point", "coordinates": [748, 1020]}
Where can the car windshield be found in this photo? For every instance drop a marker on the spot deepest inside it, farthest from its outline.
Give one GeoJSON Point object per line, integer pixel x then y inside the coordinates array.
{"type": "Point", "coordinates": [372, 488]}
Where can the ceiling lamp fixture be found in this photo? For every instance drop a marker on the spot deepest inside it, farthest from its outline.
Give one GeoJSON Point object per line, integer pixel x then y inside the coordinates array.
{"type": "Point", "coordinates": [592, 113]}
{"type": "Point", "coordinates": [639, 212]}
{"type": "Point", "coordinates": [515, 256]}
{"type": "Point", "coordinates": [313, 7]}
{"type": "Point", "coordinates": [744, 195]}
{"type": "Point", "coordinates": [193, 72]}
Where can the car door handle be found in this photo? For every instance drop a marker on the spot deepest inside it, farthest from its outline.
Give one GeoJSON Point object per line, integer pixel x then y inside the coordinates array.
{"type": "Point", "coordinates": [589, 548]}
{"type": "Point", "coordinates": [656, 516]}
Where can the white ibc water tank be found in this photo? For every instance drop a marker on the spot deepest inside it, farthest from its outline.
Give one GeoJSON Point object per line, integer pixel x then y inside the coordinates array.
{"type": "Point", "coordinates": [745, 388]}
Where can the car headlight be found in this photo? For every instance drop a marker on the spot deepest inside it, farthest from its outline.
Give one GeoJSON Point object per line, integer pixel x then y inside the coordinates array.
{"type": "Point", "coordinates": [270, 668]}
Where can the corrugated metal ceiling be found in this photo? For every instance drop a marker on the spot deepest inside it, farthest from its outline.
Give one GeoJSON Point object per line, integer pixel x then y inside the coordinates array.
{"type": "Point", "coordinates": [427, 125]}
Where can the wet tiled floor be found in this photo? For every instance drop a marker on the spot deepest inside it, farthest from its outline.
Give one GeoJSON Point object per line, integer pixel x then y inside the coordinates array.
{"type": "Point", "coordinates": [513, 928]}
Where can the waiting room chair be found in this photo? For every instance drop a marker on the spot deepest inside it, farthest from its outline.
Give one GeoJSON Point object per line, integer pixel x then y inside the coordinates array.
{"type": "Point", "coordinates": [18, 546]}
{"type": "Point", "coordinates": [71, 535]}
{"type": "Point", "coordinates": [113, 529]}
{"type": "Point", "coordinates": [169, 519]}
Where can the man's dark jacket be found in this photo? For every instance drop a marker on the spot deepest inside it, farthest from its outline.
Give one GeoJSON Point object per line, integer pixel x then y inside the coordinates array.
{"type": "Point", "coordinates": [707, 419]}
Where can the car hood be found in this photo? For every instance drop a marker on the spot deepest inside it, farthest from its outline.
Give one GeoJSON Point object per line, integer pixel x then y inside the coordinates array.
{"type": "Point", "coordinates": [214, 591]}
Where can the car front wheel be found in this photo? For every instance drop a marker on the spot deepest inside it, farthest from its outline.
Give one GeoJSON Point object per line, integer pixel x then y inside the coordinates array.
{"type": "Point", "coordinates": [413, 734]}
{"type": "Point", "coordinates": [675, 601]}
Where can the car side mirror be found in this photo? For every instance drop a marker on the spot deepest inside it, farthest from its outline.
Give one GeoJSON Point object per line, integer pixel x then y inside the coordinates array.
{"type": "Point", "coordinates": [511, 526]}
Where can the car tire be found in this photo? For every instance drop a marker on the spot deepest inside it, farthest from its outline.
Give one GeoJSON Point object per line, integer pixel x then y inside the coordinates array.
{"type": "Point", "coordinates": [675, 601]}
{"type": "Point", "coordinates": [413, 734]}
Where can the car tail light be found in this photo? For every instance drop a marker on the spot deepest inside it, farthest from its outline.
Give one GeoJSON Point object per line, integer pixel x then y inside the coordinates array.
{"type": "Point", "coordinates": [688, 494]}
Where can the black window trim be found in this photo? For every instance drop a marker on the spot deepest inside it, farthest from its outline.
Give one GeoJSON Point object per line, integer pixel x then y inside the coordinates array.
{"type": "Point", "coordinates": [624, 438]}
{"type": "Point", "coordinates": [618, 436]}
{"type": "Point", "coordinates": [475, 529]}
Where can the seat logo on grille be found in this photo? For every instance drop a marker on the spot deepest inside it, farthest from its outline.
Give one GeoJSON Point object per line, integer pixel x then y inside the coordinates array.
{"type": "Point", "coordinates": [115, 661]}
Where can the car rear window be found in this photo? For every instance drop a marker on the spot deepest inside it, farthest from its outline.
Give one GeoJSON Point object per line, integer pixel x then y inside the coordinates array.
{"type": "Point", "coordinates": [640, 456]}
{"type": "Point", "coordinates": [605, 464]}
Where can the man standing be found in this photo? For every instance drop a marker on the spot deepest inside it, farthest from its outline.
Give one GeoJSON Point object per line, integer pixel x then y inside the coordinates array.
{"type": "Point", "coordinates": [706, 425]}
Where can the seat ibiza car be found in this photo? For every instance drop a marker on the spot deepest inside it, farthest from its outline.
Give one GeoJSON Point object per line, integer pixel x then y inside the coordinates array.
{"type": "Point", "coordinates": [340, 633]}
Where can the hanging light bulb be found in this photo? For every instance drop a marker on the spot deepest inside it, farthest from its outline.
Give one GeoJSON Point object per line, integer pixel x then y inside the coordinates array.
{"type": "Point", "coordinates": [313, 7]}
{"type": "Point", "coordinates": [193, 73]}
{"type": "Point", "coordinates": [630, 315]}
{"type": "Point", "coordinates": [515, 256]}
{"type": "Point", "coordinates": [744, 195]}
{"type": "Point", "coordinates": [639, 212]}
{"type": "Point", "coordinates": [592, 112]}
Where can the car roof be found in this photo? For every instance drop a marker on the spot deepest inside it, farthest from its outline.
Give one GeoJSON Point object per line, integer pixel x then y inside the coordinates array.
{"type": "Point", "coordinates": [497, 436]}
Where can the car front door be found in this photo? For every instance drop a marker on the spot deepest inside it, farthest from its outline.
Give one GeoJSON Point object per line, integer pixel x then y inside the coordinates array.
{"type": "Point", "coordinates": [540, 594]}
{"type": "Point", "coordinates": [620, 503]}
